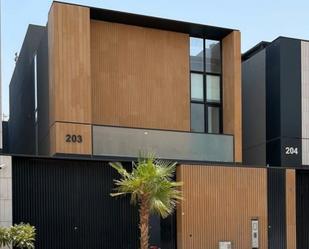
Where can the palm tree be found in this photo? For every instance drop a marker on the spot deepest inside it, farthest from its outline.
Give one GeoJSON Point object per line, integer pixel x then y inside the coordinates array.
{"type": "Point", "coordinates": [151, 186]}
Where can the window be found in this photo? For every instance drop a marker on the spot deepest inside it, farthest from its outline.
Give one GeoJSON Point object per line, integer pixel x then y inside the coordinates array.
{"type": "Point", "coordinates": [205, 76]}
{"type": "Point", "coordinates": [213, 56]}
{"type": "Point", "coordinates": [197, 54]}
{"type": "Point", "coordinates": [35, 79]}
{"type": "Point", "coordinates": [35, 76]}
{"type": "Point", "coordinates": [197, 92]}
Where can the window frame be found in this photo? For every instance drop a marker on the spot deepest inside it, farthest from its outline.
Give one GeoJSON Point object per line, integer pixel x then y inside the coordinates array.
{"type": "Point", "coordinates": [204, 101]}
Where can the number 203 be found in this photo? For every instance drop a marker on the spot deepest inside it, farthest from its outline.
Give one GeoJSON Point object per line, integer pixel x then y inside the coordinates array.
{"type": "Point", "coordinates": [73, 138]}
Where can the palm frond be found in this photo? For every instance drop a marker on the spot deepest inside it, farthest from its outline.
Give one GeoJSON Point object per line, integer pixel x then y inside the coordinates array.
{"type": "Point", "coordinates": [152, 177]}
{"type": "Point", "coordinates": [118, 166]}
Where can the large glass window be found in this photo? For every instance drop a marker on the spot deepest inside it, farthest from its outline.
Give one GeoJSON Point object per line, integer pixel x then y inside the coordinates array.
{"type": "Point", "coordinates": [206, 103]}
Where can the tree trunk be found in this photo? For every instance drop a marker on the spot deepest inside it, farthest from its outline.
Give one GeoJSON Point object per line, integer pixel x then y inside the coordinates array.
{"type": "Point", "coordinates": [144, 222]}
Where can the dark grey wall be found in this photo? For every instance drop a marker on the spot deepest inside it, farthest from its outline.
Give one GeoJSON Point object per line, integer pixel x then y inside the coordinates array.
{"type": "Point", "coordinates": [272, 104]}
{"type": "Point", "coordinates": [21, 123]}
{"type": "Point", "coordinates": [43, 96]}
{"type": "Point", "coordinates": [283, 60]}
{"type": "Point", "coordinates": [254, 109]}
{"type": "Point", "coordinates": [290, 78]}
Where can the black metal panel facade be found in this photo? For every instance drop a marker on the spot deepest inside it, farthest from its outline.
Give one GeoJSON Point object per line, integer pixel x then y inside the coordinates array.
{"type": "Point", "coordinates": [273, 113]}
{"type": "Point", "coordinates": [283, 102]}
{"type": "Point", "coordinates": [290, 81]}
{"type": "Point", "coordinates": [254, 109]}
{"type": "Point", "coordinates": [302, 207]}
{"type": "Point", "coordinates": [43, 96]}
{"type": "Point", "coordinates": [273, 104]}
{"type": "Point", "coordinates": [276, 208]}
{"type": "Point", "coordinates": [291, 107]}
{"type": "Point", "coordinates": [69, 203]}
{"type": "Point", "coordinates": [198, 30]}
{"type": "Point", "coordinates": [22, 120]}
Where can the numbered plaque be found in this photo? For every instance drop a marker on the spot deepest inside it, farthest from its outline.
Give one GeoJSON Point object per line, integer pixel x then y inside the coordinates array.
{"type": "Point", "coordinates": [70, 138]}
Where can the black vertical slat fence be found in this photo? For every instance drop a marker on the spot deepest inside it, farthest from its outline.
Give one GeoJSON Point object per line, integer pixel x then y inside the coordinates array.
{"type": "Point", "coordinates": [302, 209]}
{"type": "Point", "coordinates": [69, 203]}
{"type": "Point", "coordinates": [276, 208]}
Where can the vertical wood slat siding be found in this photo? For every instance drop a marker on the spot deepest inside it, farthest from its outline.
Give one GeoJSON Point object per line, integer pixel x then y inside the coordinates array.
{"type": "Point", "coordinates": [290, 209]}
{"type": "Point", "coordinates": [219, 203]}
{"type": "Point", "coordinates": [231, 73]}
{"type": "Point", "coordinates": [140, 77]}
{"type": "Point", "coordinates": [69, 63]}
{"type": "Point", "coordinates": [305, 101]}
{"type": "Point", "coordinates": [58, 195]}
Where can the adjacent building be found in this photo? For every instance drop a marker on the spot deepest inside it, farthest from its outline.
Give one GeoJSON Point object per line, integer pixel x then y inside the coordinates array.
{"type": "Point", "coordinates": [275, 97]}
{"type": "Point", "coordinates": [275, 90]}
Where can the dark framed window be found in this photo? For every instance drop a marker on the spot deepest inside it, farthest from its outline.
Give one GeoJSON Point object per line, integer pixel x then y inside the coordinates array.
{"type": "Point", "coordinates": [206, 85]}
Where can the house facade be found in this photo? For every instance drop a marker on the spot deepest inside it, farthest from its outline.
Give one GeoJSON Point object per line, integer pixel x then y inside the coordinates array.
{"type": "Point", "coordinates": [94, 86]}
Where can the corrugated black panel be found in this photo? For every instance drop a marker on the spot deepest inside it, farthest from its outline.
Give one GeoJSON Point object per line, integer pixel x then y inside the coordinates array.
{"type": "Point", "coordinates": [302, 209]}
{"type": "Point", "coordinates": [68, 201]}
{"type": "Point", "coordinates": [276, 209]}
{"type": "Point", "coordinates": [21, 123]}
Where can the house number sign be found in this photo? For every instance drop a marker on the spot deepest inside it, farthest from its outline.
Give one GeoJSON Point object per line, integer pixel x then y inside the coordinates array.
{"type": "Point", "coordinates": [73, 138]}
{"type": "Point", "coordinates": [291, 150]}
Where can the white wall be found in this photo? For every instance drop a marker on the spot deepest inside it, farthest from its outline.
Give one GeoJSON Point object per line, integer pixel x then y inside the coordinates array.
{"type": "Point", "coordinates": [6, 218]}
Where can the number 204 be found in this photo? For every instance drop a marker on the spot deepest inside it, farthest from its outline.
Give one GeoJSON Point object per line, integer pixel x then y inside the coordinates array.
{"type": "Point", "coordinates": [291, 150]}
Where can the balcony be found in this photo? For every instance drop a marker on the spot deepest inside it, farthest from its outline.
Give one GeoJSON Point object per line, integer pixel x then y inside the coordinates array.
{"type": "Point", "coordinates": [174, 145]}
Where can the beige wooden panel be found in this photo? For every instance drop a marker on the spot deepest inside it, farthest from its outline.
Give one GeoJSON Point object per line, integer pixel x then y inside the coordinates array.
{"type": "Point", "coordinates": [140, 77]}
{"type": "Point", "coordinates": [69, 63]}
{"type": "Point", "coordinates": [219, 203]}
{"type": "Point", "coordinates": [231, 73]}
{"type": "Point", "coordinates": [305, 101]}
{"type": "Point", "coordinates": [59, 144]}
{"type": "Point", "coordinates": [290, 209]}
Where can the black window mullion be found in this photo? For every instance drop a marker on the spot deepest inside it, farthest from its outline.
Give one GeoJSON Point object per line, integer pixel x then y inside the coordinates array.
{"type": "Point", "coordinates": [205, 88]}
{"type": "Point", "coordinates": [221, 90]}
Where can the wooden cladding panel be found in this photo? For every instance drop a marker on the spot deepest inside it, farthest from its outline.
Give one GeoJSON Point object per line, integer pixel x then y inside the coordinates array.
{"type": "Point", "coordinates": [231, 73]}
{"type": "Point", "coordinates": [59, 131]}
{"type": "Point", "coordinates": [291, 209]}
{"type": "Point", "coordinates": [218, 205]}
{"type": "Point", "coordinates": [140, 77]}
{"type": "Point", "coordinates": [69, 63]}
